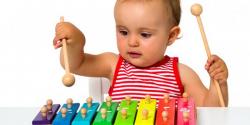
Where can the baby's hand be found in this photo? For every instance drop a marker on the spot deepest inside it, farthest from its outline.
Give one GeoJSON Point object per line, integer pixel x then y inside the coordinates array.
{"type": "Point", "coordinates": [217, 69]}
{"type": "Point", "coordinates": [66, 30]}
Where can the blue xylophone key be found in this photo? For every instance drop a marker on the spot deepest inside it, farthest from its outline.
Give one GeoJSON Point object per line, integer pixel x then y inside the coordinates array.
{"type": "Point", "coordinates": [91, 111]}
{"type": "Point", "coordinates": [71, 112]}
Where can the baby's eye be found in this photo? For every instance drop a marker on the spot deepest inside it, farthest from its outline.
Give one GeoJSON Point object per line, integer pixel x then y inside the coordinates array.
{"type": "Point", "coordinates": [123, 32]}
{"type": "Point", "coordinates": [146, 35]}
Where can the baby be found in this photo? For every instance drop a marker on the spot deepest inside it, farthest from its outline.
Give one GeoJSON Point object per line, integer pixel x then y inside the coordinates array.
{"type": "Point", "coordinates": [144, 30]}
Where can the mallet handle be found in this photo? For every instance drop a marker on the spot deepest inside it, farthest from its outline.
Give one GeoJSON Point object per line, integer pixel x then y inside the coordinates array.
{"type": "Point", "coordinates": [65, 52]}
{"type": "Point", "coordinates": [204, 38]}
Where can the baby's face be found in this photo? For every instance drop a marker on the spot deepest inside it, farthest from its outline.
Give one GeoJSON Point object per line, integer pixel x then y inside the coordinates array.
{"type": "Point", "coordinates": [142, 30]}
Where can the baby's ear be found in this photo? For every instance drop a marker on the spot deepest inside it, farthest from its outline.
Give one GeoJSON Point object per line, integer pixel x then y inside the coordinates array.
{"type": "Point", "coordinates": [173, 34]}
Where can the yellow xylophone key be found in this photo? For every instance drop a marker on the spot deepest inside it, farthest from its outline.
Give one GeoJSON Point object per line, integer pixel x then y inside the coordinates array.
{"type": "Point", "coordinates": [146, 112]}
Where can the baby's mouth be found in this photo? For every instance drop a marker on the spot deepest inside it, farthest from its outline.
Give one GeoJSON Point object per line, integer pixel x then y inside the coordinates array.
{"type": "Point", "coordinates": [134, 54]}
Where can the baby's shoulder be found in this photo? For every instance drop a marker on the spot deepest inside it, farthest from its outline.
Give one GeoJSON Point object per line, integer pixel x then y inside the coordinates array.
{"type": "Point", "coordinates": [110, 57]}
{"type": "Point", "coordinates": [186, 72]}
{"type": "Point", "coordinates": [185, 69]}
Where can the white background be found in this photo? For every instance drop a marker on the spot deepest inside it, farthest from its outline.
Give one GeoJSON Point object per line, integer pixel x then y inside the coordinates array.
{"type": "Point", "coordinates": [30, 71]}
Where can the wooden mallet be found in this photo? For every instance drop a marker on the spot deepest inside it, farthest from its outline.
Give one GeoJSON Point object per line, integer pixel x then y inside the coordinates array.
{"type": "Point", "coordinates": [68, 79]}
{"type": "Point", "coordinates": [196, 10]}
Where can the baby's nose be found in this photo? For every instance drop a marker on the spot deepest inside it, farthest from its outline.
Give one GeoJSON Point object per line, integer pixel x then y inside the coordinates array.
{"type": "Point", "coordinates": [133, 41]}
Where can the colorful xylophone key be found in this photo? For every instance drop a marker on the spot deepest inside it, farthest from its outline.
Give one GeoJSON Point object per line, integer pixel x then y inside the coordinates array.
{"type": "Point", "coordinates": [66, 114]}
{"type": "Point", "coordinates": [47, 114]}
{"type": "Point", "coordinates": [166, 111]}
{"type": "Point", "coordinates": [186, 113]}
{"type": "Point", "coordinates": [146, 111]}
{"type": "Point", "coordinates": [107, 113]}
{"type": "Point", "coordinates": [126, 112]}
{"type": "Point", "coordinates": [86, 114]}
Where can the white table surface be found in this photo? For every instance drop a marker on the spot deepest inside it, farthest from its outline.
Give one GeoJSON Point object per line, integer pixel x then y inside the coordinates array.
{"type": "Point", "coordinates": [205, 115]}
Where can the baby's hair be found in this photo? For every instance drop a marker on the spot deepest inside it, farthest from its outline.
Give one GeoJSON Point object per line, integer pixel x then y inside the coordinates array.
{"type": "Point", "coordinates": [173, 7]}
{"type": "Point", "coordinates": [175, 10]}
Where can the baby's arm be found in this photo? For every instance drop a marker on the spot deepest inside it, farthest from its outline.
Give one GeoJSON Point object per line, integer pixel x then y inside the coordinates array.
{"type": "Point", "coordinates": [203, 96]}
{"type": "Point", "coordinates": [81, 63]}
{"type": "Point", "coordinates": [192, 84]}
{"type": "Point", "coordinates": [218, 71]}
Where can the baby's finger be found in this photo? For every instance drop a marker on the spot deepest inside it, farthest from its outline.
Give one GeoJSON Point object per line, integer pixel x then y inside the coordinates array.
{"type": "Point", "coordinates": [57, 40]}
{"type": "Point", "coordinates": [57, 43]}
{"type": "Point", "coordinates": [215, 72]}
{"type": "Point", "coordinates": [212, 59]}
{"type": "Point", "coordinates": [214, 66]}
{"type": "Point", "coordinates": [221, 77]}
{"type": "Point", "coordinates": [207, 66]}
{"type": "Point", "coordinates": [59, 25]}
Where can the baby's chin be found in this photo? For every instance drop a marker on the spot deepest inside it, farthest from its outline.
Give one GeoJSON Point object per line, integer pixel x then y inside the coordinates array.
{"type": "Point", "coordinates": [140, 63]}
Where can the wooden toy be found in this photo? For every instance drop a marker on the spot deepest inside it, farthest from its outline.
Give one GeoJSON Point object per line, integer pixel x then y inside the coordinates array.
{"type": "Point", "coordinates": [126, 112]}
{"type": "Point", "coordinates": [186, 112]}
{"type": "Point", "coordinates": [108, 101]}
{"type": "Point", "coordinates": [129, 112]}
{"type": "Point", "coordinates": [66, 114]}
{"type": "Point", "coordinates": [83, 112]}
{"type": "Point", "coordinates": [68, 79]}
{"type": "Point", "coordinates": [164, 116]}
{"type": "Point", "coordinates": [87, 113]}
{"type": "Point", "coordinates": [46, 114]}
{"type": "Point", "coordinates": [64, 111]}
{"type": "Point", "coordinates": [146, 111]}
{"type": "Point", "coordinates": [166, 111]}
{"type": "Point", "coordinates": [106, 114]}
{"type": "Point", "coordinates": [196, 10]}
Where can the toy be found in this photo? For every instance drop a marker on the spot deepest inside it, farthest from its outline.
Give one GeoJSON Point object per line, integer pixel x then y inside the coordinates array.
{"type": "Point", "coordinates": [66, 114]}
{"type": "Point", "coordinates": [107, 113]}
{"type": "Point", "coordinates": [86, 114]}
{"type": "Point", "coordinates": [196, 10]}
{"type": "Point", "coordinates": [68, 79]}
{"type": "Point", "coordinates": [126, 112]}
{"type": "Point", "coordinates": [46, 114]}
{"type": "Point", "coordinates": [146, 111]}
{"type": "Point", "coordinates": [166, 111]}
{"type": "Point", "coordinates": [186, 112]}
{"type": "Point", "coordinates": [130, 112]}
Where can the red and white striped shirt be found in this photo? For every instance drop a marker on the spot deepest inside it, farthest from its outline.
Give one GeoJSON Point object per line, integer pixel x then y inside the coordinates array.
{"type": "Point", "coordinates": [155, 80]}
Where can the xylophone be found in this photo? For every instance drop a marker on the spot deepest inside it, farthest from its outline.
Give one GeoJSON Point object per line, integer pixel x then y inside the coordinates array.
{"type": "Point", "coordinates": [128, 112]}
